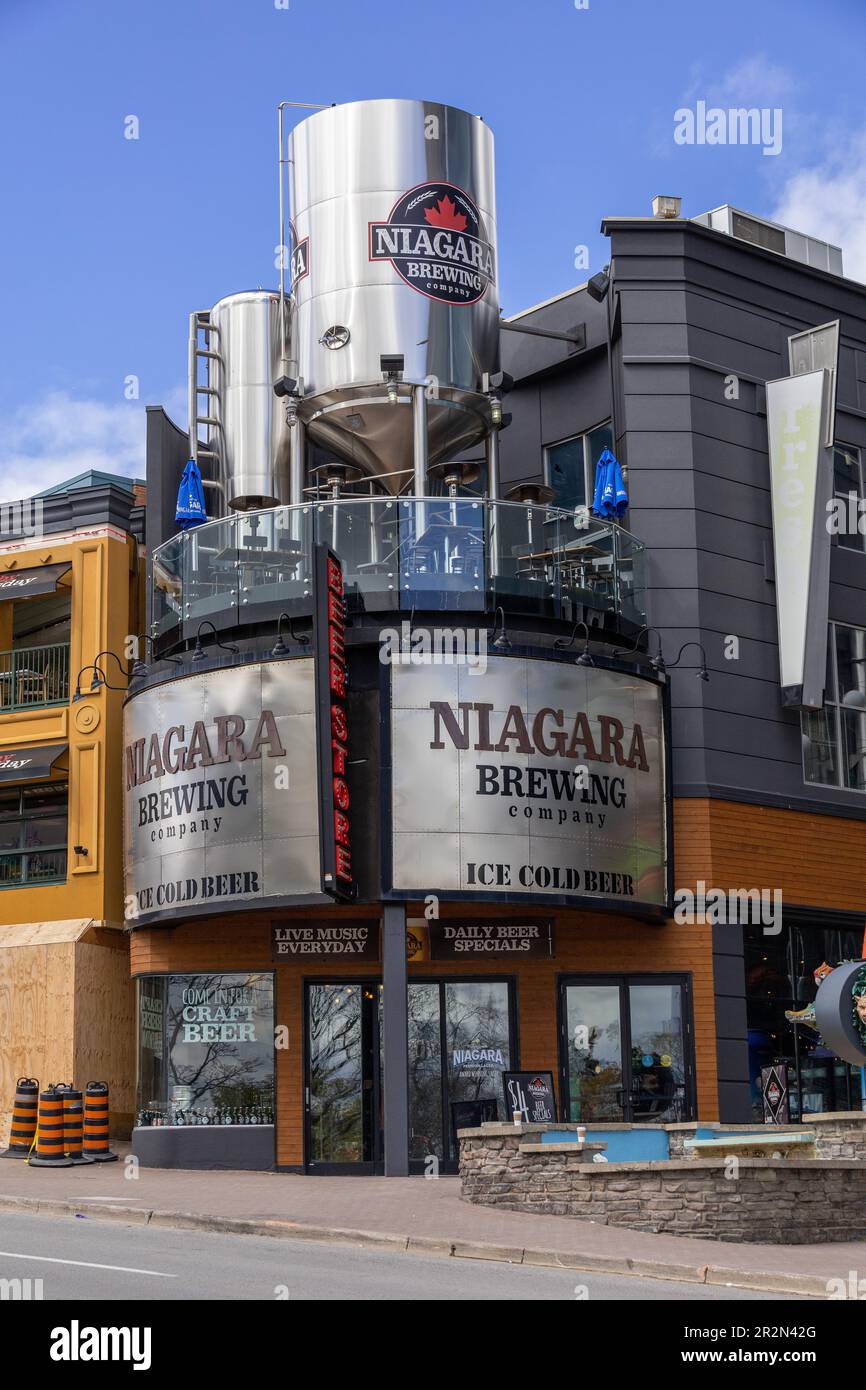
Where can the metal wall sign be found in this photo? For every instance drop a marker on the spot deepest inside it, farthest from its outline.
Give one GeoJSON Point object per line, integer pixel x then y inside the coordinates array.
{"type": "Point", "coordinates": [417, 941]}
{"type": "Point", "coordinates": [333, 726]}
{"type": "Point", "coordinates": [840, 1011]}
{"type": "Point", "coordinates": [349, 940]}
{"type": "Point", "coordinates": [485, 938]}
{"type": "Point", "coordinates": [801, 484]}
{"type": "Point", "coordinates": [809, 352]}
{"type": "Point", "coordinates": [221, 791]}
{"type": "Point", "coordinates": [774, 1091]}
{"type": "Point", "coordinates": [538, 779]}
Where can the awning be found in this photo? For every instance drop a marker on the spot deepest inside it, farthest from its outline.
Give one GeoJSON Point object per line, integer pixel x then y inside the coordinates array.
{"type": "Point", "coordinates": [27, 764]}
{"type": "Point", "coordinates": [24, 583]}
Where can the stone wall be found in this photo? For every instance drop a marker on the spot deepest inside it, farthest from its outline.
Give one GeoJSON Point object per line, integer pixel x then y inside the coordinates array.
{"type": "Point", "coordinates": [772, 1201]}
{"type": "Point", "coordinates": [839, 1134]}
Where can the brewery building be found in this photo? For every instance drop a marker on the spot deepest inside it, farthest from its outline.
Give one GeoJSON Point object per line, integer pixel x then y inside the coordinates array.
{"type": "Point", "coordinates": [496, 718]}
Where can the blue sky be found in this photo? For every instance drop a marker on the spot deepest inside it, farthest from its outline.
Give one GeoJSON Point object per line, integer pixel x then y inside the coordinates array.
{"type": "Point", "coordinates": [108, 243]}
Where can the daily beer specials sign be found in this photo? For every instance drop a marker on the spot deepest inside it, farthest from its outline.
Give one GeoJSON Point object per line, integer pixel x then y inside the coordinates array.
{"type": "Point", "coordinates": [537, 778]}
{"type": "Point", "coordinates": [221, 791]}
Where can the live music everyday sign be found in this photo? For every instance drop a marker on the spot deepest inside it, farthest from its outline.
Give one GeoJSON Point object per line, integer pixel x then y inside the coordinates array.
{"type": "Point", "coordinates": [349, 940]}
{"type": "Point", "coordinates": [545, 780]}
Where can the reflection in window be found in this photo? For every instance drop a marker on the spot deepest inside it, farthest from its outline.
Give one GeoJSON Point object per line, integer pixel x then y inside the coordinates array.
{"type": "Point", "coordinates": [834, 738]}
{"type": "Point", "coordinates": [425, 1072]}
{"type": "Point", "coordinates": [848, 485]}
{"type": "Point", "coordinates": [780, 978]}
{"type": "Point", "coordinates": [33, 822]}
{"type": "Point", "coordinates": [594, 1052]}
{"type": "Point", "coordinates": [570, 466]}
{"type": "Point", "coordinates": [206, 1050]}
{"type": "Point", "coordinates": [336, 1050]}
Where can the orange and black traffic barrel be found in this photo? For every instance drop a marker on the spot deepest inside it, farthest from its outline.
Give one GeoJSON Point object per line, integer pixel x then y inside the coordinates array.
{"type": "Point", "coordinates": [24, 1110]}
{"type": "Point", "coordinates": [96, 1148]}
{"type": "Point", "coordinates": [50, 1147]}
{"type": "Point", "coordinates": [73, 1124]}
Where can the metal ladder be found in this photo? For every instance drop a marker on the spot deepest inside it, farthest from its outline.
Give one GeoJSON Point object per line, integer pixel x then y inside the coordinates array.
{"type": "Point", "coordinates": [199, 323]}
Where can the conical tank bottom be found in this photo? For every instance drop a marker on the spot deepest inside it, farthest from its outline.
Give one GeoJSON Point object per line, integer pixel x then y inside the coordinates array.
{"type": "Point", "coordinates": [367, 430]}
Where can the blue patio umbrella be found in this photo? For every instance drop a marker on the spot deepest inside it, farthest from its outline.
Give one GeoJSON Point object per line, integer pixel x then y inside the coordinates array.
{"type": "Point", "coordinates": [610, 498]}
{"type": "Point", "coordinates": [190, 498]}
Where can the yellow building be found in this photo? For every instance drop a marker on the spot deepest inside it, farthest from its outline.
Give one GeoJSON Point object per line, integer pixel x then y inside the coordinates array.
{"type": "Point", "coordinates": [71, 587]}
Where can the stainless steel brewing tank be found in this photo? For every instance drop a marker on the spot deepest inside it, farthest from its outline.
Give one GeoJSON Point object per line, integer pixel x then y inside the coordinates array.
{"type": "Point", "coordinates": [252, 438]}
{"type": "Point", "coordinates": [394, 224]}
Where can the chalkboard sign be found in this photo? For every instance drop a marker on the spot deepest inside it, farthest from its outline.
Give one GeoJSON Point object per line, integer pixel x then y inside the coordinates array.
{"type": "Point", "coordinates": [530, 1092]}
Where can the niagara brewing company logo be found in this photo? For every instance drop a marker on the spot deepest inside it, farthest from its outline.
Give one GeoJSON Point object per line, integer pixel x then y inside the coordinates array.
{"type": "Point", "coordinates": [434, 238]}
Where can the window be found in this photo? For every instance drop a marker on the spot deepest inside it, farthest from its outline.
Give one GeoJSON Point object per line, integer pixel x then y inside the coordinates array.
{"type": "Point", "coordinates": [848, 480]}
{"type": "Point", "coordinates": [626, 1053]}
{"type": "Point", "coordinates": [834, 738]}
{"type": "Point", "coordinates": [33, 834]}
{"type": "Point", "coordinates": [569, 467]}
{"type": "Point", "coordinates": [206, 1050]}
{"type": "Point", "coordinates": [781, 980]}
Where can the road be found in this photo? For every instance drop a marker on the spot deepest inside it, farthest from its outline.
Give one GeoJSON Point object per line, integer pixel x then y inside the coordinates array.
{"type": "Point", "coordinates": [79, 1259]}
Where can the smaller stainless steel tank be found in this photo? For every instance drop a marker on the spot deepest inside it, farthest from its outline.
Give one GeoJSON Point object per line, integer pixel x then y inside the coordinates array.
{"type": "Point", "coordinates": [252, 439]}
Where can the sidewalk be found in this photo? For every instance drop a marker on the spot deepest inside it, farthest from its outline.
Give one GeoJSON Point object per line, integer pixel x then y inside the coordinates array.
{"type": "Point", "coordinates": [412, 1214]}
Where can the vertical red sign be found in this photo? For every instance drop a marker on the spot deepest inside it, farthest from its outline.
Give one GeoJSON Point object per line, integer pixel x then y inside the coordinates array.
{"type": "Point", "coordinates": [333, 726]}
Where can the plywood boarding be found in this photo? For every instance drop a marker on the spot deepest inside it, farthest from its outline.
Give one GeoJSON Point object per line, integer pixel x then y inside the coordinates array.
{"type": "Point", "coordinates": [104, 1036]}
{"type": "Point", "coordinates": [586, 943]}
{"type": "Point", "coordinates": [66, 1012]}
{"type": "Point", "coordinates": [43, 933]}
{"type": "Point", "coordinates": [36, 1019]}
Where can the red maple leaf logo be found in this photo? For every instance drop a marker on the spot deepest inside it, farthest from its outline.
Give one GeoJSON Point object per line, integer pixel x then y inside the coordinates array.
{"type": "Point", "coordinates": [445, 214]}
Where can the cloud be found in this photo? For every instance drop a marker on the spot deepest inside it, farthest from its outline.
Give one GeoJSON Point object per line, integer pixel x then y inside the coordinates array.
{"type": "Point", "coordinates": [754, 81]}
{"type": "Point", "coordinates": [828, 201]}
{"type": "Point", "coordinates": [59, 436]}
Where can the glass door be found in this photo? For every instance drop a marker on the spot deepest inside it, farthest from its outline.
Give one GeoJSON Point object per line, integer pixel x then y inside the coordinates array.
{"type": "Point", "coordinates": [626, 1044]}
{"type": "Point", "coordinates": [460, 1036]}
{"type": "Point", "coordinates": [658, 1093]}
{"type": "Point", "coordinates": [593, 1028]}
{"type": "Point", "coordinates": [426, 1099]}
{"type": "Point", "coordinates": [460, 1043]}
{"type": "Point", "coordinates": [343, 1128]}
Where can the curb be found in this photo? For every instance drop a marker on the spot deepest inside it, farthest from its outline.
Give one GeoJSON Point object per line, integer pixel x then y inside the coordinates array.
{"type": "Point", "coordinates": [810, 1285]}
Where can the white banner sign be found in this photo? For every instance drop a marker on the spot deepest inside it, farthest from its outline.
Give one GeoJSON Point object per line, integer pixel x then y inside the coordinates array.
{"type": "Point", "coordinates": [801, 484]}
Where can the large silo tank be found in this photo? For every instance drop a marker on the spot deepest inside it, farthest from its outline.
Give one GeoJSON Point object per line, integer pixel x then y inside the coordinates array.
{"type": "Point", "coordinates": [394, 223]}
{"type": "Point", "coordinates": [252, 438]}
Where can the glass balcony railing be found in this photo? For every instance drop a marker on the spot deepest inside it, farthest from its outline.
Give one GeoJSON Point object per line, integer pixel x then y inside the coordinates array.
{"type": "Point", "coordinates": [34, 676]}
{"type": "Point", "coordinates": [431, 553]}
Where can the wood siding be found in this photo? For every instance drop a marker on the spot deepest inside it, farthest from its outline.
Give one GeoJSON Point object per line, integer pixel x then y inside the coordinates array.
{"type": "Point", "coordinates": [586, 943]}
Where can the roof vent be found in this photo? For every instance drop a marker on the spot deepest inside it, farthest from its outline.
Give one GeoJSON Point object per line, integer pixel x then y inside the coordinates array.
{"type": "Point", "coordinates": [665, 205]}
{"type": "Point", "coordinates": [772, 236]}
